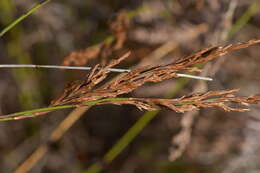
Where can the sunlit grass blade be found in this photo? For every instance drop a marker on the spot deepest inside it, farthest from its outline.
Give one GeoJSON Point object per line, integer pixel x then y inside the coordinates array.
{"type": "Point", "coordinates": [33, 9]}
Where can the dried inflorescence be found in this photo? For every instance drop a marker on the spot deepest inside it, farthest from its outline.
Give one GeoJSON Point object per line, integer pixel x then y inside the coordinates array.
{"type": "Point", "coordinates": [85, 90]}
{"type": "Point", "coordinates": [194, 101]}
{"type": "Point", "coordinates": [78, 90]}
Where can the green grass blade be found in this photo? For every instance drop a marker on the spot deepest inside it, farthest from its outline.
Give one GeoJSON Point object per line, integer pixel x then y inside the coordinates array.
{"type": "Point", "coordinates": [33, 9]}
{"type": "Point", "coordinates": [36, 112]}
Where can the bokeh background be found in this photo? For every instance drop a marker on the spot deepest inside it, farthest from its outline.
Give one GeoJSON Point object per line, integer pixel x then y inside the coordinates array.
{"type": "Point", "coordinates": [157, 32]}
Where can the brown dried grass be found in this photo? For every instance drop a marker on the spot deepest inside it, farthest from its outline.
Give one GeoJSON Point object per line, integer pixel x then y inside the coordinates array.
{"type": "Point", "coordinates": [85, 90]}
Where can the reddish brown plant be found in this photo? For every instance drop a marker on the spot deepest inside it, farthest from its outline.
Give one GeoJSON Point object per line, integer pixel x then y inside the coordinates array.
{"type": "Point", "coordinates": [85, 90]}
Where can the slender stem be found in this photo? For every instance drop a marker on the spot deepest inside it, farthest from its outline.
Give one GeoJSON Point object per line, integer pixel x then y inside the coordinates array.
{"type": "Point", "coordinates": [89, 68]}
{"type": "Point", "coordinates": [40, 111]}
{"type": "Point", "coordinates": [194, 77]}
{"type": "Point", "coordinates": [58, 67]}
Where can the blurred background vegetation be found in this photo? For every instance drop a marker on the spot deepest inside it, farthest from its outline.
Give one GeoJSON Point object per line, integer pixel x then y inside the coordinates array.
{"type": "Point", "coordinates": [156, 31]}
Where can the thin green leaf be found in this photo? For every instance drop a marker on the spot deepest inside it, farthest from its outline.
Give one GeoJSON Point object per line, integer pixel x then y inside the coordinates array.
{"type": "Point", "coordinates": [21, 18]}
{"type": "Point", "coordinates": [40, 111]}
